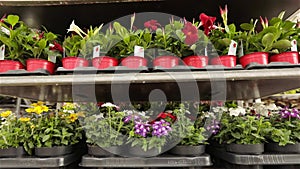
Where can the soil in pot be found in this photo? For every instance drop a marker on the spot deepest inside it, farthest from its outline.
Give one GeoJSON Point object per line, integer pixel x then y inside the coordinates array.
{"type": "Point", "coordinates": [36, 64]}
{"type": "Point", "coordinates": [226, 60]}
{"type": "Point", "coordinates": [97, 151]}
{"type": "Point", "coordinates": [245, 148]}
{"type": "Point", "coordinates": [256, 57]}
{"type": "Point", "coordinates": [166, 61]}
{"type": "Point", "coordinates": [53, 151]}
{"type": "Point", "coordinates": [290, 57]}
{"type": "Point", "coordinates": [74, 62]}
{"type": "Point", "coordinates": [12, 152]}
{"type": "Point", "coordinates": [196, 61]}
{"type": "Point", "coordinates": [104, 62]}
{"type": "Point", "coordinates": [188, 150]}
{"type": "Point", "coordinates": [287, 149]}
{"type": "Point", "coordinates": [134, 62]}
{"type": "Point", "coordinates": [6, 65]}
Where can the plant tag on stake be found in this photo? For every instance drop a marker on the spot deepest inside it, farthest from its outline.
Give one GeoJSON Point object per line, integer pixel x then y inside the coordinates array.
{"type": "Point", "coordinates": [96, 51]}
{"type": "Point", "coordinates": [139, 51]}
{"type": "Point", "coordinates": [205, 51]}
{"type": "Point", "coordinates": [232, 48]}
{"type": "Point", "coordinates": [2, 52]}
{"type": "Point", "coordinates": [52, 58]}
{"type": "Point", "coordinates": [294, 45]}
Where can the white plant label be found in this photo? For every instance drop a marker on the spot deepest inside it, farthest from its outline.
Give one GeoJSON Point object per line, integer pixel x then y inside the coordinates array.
{"type": "Point", "coordinates": [96, 51]}
{"type": "Point", "coordinates": [4, 30]}
{"type": "Point", "coordinates": [64, 52]}
{"type": "Point", "coordinates": [139, 51]}
{"type": "Point", "coordinates": [294, 45]}
{"type": "Point", "coordinates": [232, 48]}
{"type": "Point", "coordinates": [52, 59]}
{"type": "Point", "coordinates": [205, 51]}
{"type": "Point", "coordinates": [2, 52]}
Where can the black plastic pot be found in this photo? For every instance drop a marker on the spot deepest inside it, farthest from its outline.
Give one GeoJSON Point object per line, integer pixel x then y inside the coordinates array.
{"type": "Point", "coordinates": [287, 149]}
{"type": "Point", "coordinates": [137, 151]}
{"type": "Point", "coordinates": [188, 150]}
{"type": "Point", "coordinates": [245, 148]}
{"type": "Point", "coordinates": [12, 152]}
{"type": "Point", "coordinates": [53, 151]}
{"type": "Point", "coordinates": [97, 151]}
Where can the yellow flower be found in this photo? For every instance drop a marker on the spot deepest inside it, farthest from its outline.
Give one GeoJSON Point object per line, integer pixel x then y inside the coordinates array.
{"type": "Point", "coordinates": [38, 110]}
{"type": "Point", "coordinates": [32, 126]}
{"type": "Point", "coordinates": [5, 114]}
{"type": "Point", "coordinates": [39, 103]}
{"type": "Point", "coordinates": [24, 119]}
{"type": "Point", "coordinates": [45, 108]}
{"type": "Point", "coordinates": [29, 110]}
{"type": "Point", "coordinates": [73, 117]}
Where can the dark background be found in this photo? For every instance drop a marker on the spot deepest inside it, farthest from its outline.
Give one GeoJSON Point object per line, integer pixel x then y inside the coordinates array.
{"type": "Point", "coordinates": [58, 18]}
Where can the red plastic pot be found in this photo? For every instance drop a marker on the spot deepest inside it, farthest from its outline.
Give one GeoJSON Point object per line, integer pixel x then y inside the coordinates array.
{"type": "Point", "coordinates": [258, 57]}
{"type": "Point", "coordinates": [196, 61]}
{"type": "Point", "coordinates": [134, 61]}
{"type": "Point", "coordinates": [6, 65]}
{"type": "Point", "coordinates": [226, 60]}
{"type": "Point", "coordinates": [104, 62]}
{"type": "Point", "coordinates": [73, 62]}
{"type": "Point", "coordinates": [35, 64]}
{"type": "Point", "coordinates": [291, 57]}
{"type": "Point", "coordinates": [166, 61]}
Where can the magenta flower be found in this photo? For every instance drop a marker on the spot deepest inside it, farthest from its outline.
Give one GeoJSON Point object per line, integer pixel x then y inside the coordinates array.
{"type": "Point", "coordinates": [191, 33]}
{"type": "Point", "coordinates": [152, 24]}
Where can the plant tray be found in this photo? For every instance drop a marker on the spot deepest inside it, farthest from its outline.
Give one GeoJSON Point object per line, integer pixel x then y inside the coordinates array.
{"type": "Point", "coordinates": [161, 161]}
{"type": "Point", "coordinates": [182, 68]}
{"type": "Point", "coordinates": [22, 72]}
{"type": "Point", "coordinates": [271, 65]}
{"type": "Point", "coordinates": [261, 159]}
{"type": "Point", "coordinates": [93, 70]}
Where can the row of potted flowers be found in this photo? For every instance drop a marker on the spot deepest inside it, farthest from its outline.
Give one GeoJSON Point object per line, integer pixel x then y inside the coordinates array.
{"type": "Point", "coordinates": [163, 45]}
{"type": "Point", "coordinates": [112, 130]}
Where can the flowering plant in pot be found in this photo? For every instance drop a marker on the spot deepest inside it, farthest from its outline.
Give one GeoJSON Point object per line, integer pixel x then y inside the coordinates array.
{"type": "Point", "coordinates": [12, 36]}
{"type": "Point", "coordinates": [221, 39]}
{"type": "Point", "coordinates": [53, 133]}
{"type": "Point", "coordinates": [272, 39]}
{"type": "Point", "coordinates": [285, 134]}
{"type": "Point", "coordinates": [14, 132]}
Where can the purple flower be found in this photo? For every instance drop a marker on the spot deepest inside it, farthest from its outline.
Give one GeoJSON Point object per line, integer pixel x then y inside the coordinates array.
{"type": "Point", "coordinates": [213, 127]}
{"type": "Point", "coordinates": [286, 113]}
{"type": "Point", "coordinates": [141, 128]}
{"type": "Point", "coordinates": [128, 118]}
{"type": "Point", "coordinates": [161, 128]}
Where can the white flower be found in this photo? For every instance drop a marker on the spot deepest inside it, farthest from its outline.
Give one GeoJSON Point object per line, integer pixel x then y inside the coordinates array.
{"type": "Point", "coordinates": [98, 116]}
{"type": "Point", "coordinates": [219, 109]}
{"type": "Point", "coordinates": [237, 111]}
{"type": "Point", "coordinates": [108, 104]}
{"type": "Point", "coordinates": [272, 107]}
{"type": "Point", "coordinates": [75, 28]}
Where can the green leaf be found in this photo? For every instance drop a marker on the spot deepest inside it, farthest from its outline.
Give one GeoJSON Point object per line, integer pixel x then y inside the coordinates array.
{"type": "Point", "coordinates": [268, 39]}
{"type": "Point", "coordinates": [280, 16]}
{"type": "Point", "coordinates": [13, 19]}
{"type": "Point", "coordinates": [232, 28]}
{"type": "Point", "coordinates": [45, 138]}
{"type": "Point", "coordinates": [247, 26]}
{"type": "Point", "coordinates": [282, 44]}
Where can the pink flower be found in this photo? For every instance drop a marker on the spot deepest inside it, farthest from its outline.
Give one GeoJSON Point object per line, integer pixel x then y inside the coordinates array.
{"type": "Point", "coordinates": [264, 23]}
{"type": "Point", "coordinates": [224, 11]}
{"type": "Point", "coordinates": [191, 33]}
{"type": "Point", "coordinates": [207, 22]}
{"type": "Point", "coordinates": [152, 24]}
{"type": "Point", "coordinates": [3, 17]}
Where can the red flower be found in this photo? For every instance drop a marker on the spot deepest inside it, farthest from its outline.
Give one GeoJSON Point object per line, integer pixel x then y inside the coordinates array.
{"type": "Point", "coordinates": [164, 115]}
{"type": "Point", "coordinates": [56, 46]}
{"type": "Point", "coordinates": [152, 24]}
{"type": "Point", "coordinates": [190, 32]}
{"type": "Point", "coordinates": [207, 22]}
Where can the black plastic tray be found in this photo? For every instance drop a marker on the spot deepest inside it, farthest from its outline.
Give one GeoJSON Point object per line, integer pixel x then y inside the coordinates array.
{"type": "Point", "coordinates": [160, 161]}
{"type": "Point", "coordinates": [93, 70]}
{"type": "Point", "coordinates": [23, 72]}
{"type": "Point", "coordinates": [262, 159]}
{"type": "Point", "coordinates": [182, 68]}
{"type": "Point", "coordinates": [271, 65]}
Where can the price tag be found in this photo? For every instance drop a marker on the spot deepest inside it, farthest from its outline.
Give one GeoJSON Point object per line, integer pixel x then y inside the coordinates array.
{"type": "Point", "coordinates": [2, 52]}
{"type": "Point", "coordinates": [52, 59]}
{"type": "Point", "coordinates": [96, 51]}
{"type": "Point", "coordinates": [294, 45]}
{"type": "Point", "coordinates": [232, 48]}
{"type": "Point", "coordinates": [4, 30]}
{"type": "Point", "coordinates": [138, 51]}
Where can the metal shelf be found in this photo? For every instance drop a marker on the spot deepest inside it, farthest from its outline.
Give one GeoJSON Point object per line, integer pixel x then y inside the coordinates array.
{"type": "Point", "coordinates": [186, 85]}
{"type": "Point", "coordinates": [61, 2]}
{"type": "Point", "coordinates": [161, 161]}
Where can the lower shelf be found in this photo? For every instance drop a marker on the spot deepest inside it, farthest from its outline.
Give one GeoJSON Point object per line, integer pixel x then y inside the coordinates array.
{"type": "Point", "coordinates": [35, 162]}
{"type": "Point", "coordinates": [161, 161]}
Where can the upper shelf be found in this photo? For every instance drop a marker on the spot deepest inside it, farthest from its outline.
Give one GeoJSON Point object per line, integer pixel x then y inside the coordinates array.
{"type": "Point", "coordinates": [219, 85]}
{"type": "Point", "coordinates": [61, 2]}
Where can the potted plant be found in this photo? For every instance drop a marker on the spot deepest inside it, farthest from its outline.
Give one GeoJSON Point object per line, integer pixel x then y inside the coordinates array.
{"type": "Point", "coordinates": [54, 133]}
{"type": "Point", "coordinates": [13, 133]}
{"type": "Point", "coordinates": [129, 40]}
{"type": "Point", "coordinates": [285, 134]}
{"type": "Point", "coordinates": [221, 39]}
{"type": "Point", "coordinates": [73, 45]}
{"type": "Point", "coordinates": [12, 35]}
